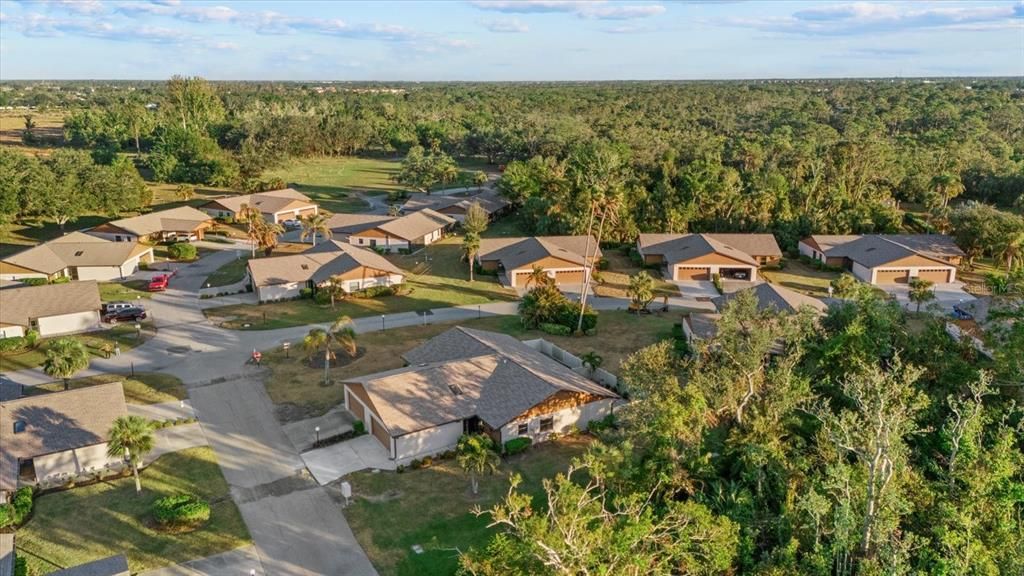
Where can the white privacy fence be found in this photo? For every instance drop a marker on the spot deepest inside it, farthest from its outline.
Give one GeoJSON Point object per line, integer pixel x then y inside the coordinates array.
{"type": "Point", "coordinates": [601, 376]}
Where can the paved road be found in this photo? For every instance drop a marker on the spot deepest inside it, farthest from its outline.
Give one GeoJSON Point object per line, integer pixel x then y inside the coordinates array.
{"type": "Point", "coordinates": [237, 562]}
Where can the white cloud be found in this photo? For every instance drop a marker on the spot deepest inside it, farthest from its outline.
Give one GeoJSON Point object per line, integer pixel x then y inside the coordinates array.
{"type": "Point", "coordinates": [870, 18]}
{"type": "Point", "coordinates": [506, 26]}
{"type": "Point", "coordinates": [596, 9]}
{"type": "Point", "coordinates": [73, 6]}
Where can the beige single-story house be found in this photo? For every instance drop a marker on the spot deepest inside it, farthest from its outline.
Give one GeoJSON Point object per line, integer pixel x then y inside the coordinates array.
{"type": "Point", "coordinates": [561, 257]}
{"type": "Point", "coordinates": [456, 206]}
{"type": "Point", "coordinates": [888, 258]}
{"type": "Point", "coordinates": [77, 256]}
{"type": "Point", "coordinates": [50, 309]}
{"type": "Point", "coordinates": [391, 233]}
{"type": "Point", "coordinates": [702, 256]}
{"type": "Point", "coordinates": [283, 277]}
{"type": "Point", "coordinates": [275, 205]}
{"type": "Point", "coordinates": [704, 325]}
{"type": "Point", "coordinates": [179, 224]}
{"type": "Point", "coordinates": [470, 381]}
{"type": "Point", "coordinates": [58, 434]}
{"type": "Point", "coordinates": [109, 566]}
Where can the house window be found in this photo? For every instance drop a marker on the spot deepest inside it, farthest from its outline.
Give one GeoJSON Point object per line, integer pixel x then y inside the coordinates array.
{"type": "Point", "coordinates": [19, 426]}
{"type": "Point", "coordinates": [523, 429]}
{"type": "Point", "coordinates": [547, 424]}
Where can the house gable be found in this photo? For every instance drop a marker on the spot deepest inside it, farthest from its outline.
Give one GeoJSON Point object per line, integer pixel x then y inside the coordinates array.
{"type": "Point", "coordinates": [557, 402]}
{"type": "Point", "coordinates": [714, 258]}
{"type": "Point", "coordinates": [913, 260]}
{"type": "Point", "coordinates": [547, 263]}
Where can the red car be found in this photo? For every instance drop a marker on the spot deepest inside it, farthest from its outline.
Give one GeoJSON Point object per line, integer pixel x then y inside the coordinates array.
{"type": "Point", "coordinates": [159, 283]}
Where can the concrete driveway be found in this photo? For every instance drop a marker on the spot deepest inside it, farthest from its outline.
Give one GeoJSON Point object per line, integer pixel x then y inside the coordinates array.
{"type": "Point", "coordinates": [332, 462]}
{"type": "Point", "coordinates": [947, 295]}
{"type": "Point", "coordinates": [697, 294]}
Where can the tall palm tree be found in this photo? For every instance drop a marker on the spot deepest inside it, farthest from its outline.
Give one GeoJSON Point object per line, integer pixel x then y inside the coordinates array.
{"type": "Point", "coordinates": [476, 455]}
{"type": "Point", "coordinates": [131, 437]}
{"type": "Point", "coordinates": [470, 246]}
{"type": "Point", "coordinates": [609, 211]}
{"type": "Point", "coordinates": [314, 224]}
{"type": "Point", "coordinates": [269, 234]}
{"type": "Point", "coordinates": [1011, 249]}
{"type": "Point", "coordinates": [341, 334]}
{"type": "Point", "coordinates": [254, 222]}
{"type": "Point", "coordinates": [65, 357]}
{"type": "Point", "coordinates": [538, 277]}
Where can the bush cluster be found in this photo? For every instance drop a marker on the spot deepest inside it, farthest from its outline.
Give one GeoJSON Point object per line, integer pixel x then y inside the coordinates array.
{"type": "Point", "coordinates": [545, 304]}
{"type": "Point", "coordinates": [555, 329]}
{"type": "Point", "coordinates": [181, 510]}
{"type": "Point", "coordinates": [182, 251]}
{"type": "Point", "coordinates": [359, 427]}
{"type": "Point", "coordinates": [15, 512]}
{"type": "Point", "coordinates": [517, 445]}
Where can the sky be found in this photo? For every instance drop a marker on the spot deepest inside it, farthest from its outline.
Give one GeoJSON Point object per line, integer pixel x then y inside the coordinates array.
{"type": "Point", "coordinates": [508, 40]}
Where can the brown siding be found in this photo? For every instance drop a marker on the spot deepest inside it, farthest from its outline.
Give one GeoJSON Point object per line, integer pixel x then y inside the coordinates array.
{"type": "Point", "coordinates": [713, 259]}
{"type": "Point", "coordinates": [891, 276]}
{"type": "Point", "coordinates": [453, 210]}
{"type": "Point", "coordinates": [914, 260]}
{"type": "Point", "coordinates": [938, 276]}
{"type": "Point", "coordinates": [836, 262]}
{"type": "Point", "coordinates": [362, 272]}
{"type": "Point", "coordinates": [380, 433]}
{"type": "Point", "coordinates": [108, 228]}
{"type": "Point", "coordinates": [489, 265]}
{"type": "Point", "coordinates": [360, 393]}
{"type": "Point", "coordinates": [557, 402]}
{"type": "Point", "coordinates": [354, 406]}
{"type": "Point", "coordinates": [8, 268]}
{"type": "Point", "coordinates": [682, 274]}
{"type": "Point", "coordinates": [371, 233]}
{"type": "Point", "coordinates": [547, 263]}
{"type": "Point", "coordinates": [654, 258]}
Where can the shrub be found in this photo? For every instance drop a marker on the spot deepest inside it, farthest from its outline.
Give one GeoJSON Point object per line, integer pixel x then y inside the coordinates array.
{"type": "Point", "coordinates": [716, 279]}
{"type": "Point", "coordinates": [427, 462]}
{"type": "Point", "coordinates": [555, 329]}
{"type": "Point", "coordinates": [20, 566]}
{"type": "Point", "coordinates": [34, 281]}
{"type": "Point", "coordinates": [517, 445]}
{"type": "Point", "coordinates": [18, 510]}
{"type": "Point", "coordinates": [181, 510]}
{"type": "Point", "coordinates": [31, 337]}
{"type": "Point", "coordinates": [415, 464]}
{"type": "Point", "coordinates": [322, 296]}
{"type": "Point", "coordinates": [61, 280]}
{"type": "Point", "coordinates": [602, 264]}
{"type": "Point", "coordinates": [603, 424]}
{"type": "Point", "coordinates": [13, 344]}
{"type": "Point", "coordinates": [359, 427]}
{"type": "Point", "coordinates": [306, 293]}
{"type": "Point", "coordinates": [375, 292]}
{"type": "Point", "coordinates": [182, 251]}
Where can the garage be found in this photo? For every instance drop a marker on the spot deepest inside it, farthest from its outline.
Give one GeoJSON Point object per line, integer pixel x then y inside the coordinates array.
{"type": "Point", "coordinates": [566, 277]}
{"type": "Point", "coordinates": [684, 274]}
{"type": "Point", "coordinates": [381, 434]}
{"type": "Point", "coordinates": [936, 275]}
{"type": "Point", "coordinates": [354, 406]}
{"type": "Point", "coordinates": [891, 276]}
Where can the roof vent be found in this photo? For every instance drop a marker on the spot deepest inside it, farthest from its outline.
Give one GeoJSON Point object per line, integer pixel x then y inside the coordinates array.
{"type": "Point", "coordinates": [305, 266]}
{"type": "Point", "coordinates": [872, 249]}
{"type": "Point", "coordinates": [19, 426]}
{"type": "Point", "coordinates": [79, 253]}
{"type": "Point", "coordinates": [455, 389]}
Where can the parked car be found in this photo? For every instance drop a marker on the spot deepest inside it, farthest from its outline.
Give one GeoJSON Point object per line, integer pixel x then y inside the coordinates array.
{"type": "Point", "coordinates": [159, 283]}
{"type": "Point", "coordinates": [125, 315]}
{"type": "Point", "coordinates": [961, 314]}
{"type": "Point", "coordinates": [292, 224]}
{"type": "Point", "coordinates": [120, 305]}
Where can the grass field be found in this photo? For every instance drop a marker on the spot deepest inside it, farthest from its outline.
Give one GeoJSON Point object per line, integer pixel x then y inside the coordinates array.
{"type": "Point", "coordinates": [436, 277]}
{"type": "Point", "coordinates": [129, 291]}
{"type": "Point", "coordinates": [92, 522]}
{"type": "Point", "coordinates": [229, 273]}
{"type": "Point", "coordinates": [143, 388]}
{"type": "Point", "coordinates": [801, 277]}
{"type": "Point", "coordinates": [293, 382]}
{"type": "Point", "coordinates": [49, 130]}
{"type": "Point", "coordinates": [431, 507]}
{"type": "Point", "coordinates": [614, 281]}
{"type": "Point", "coordinates": [122, 335]}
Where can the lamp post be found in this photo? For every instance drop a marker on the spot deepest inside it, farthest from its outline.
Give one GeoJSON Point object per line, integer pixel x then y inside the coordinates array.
{"type": "Point", "coordinates": [138, 330]}
{"type": "Point", "coordinates": [317, 430]}
{"type": "Point", "coordinates": [382, 327]}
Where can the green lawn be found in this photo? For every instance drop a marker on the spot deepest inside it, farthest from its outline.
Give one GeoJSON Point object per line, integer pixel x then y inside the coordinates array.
{"type": "Point", "coordinates": [436, 277]}
{"type": "Point", "coordinates": [92, 522]}
{"type": "Point", "coordinates": [129, 291]}
{"type": "Point", "coordinates": [509, 225]}
{"type": "Point", "coordinates": [143, 388]}
{"type": "Point", "coordinates": [801, 277]}
{"type": "Point", "coordinates": [229, 273]}
{"type": "Point", "coordinates": [123, 335]}
{"type": "Point", "coordinates": [294, 383]}
{"type": "Point", "coordinates": [430, 507]}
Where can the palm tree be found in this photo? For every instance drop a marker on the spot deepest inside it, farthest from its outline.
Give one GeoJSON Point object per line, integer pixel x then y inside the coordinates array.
{"type": "Point", "coordinates": [947, 186]}
{"type": "Point", "coordinates": [470, 246]}
{"type": "Point", "coordinates": [185, 192]}
{"type": "Point", "coordinates": [920, 291]}
{"type": "Point", "coordinates": [593, 360]}
{"type": "Point", "coordinates": [480, 178]}
{"type": "Point", "coordinates": [609, 211]}
{"type": "Point", "coordinates": [64, 358]}
{"type": "Point", "coordinates": [268, 235]}
{"type": "Point", "coordinates": [538, 277]}
{"type": "Point", "coordinates": [314, 224]}
{"type": "Point", "coordinates": [341, 334]}
{"type": "Point", "coordinates": [476, 456]}
{"type": "Point", "coordinates": [131, 437]}
{"type": "Point", "coordinates": [1011, 249]}
{"type": "Point", "coordinates": [254, 221]}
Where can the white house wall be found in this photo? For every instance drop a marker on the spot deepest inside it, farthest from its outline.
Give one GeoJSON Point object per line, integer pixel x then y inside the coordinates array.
{"type": "Point", "coordinates": [11, 331]}
{"type": "Point", "coordinates": [69, 323]}
{"type": "Point", "coordinates": [714, 269]}
{"type": "Point", "coordinates": [387, 244]}
{"type": "Point", "coordinates": [21, 276]}
{"type": "Point", "coordinates": [564, 420]}
{"type": "Point", "coordinates": [863, 273]}
{"type": "Point", "coordinates": [100, 273]}
{"type": "Point", "coordinates": [810, 252]}
{"type": "Point", "coordinates": [280, 291]}
{"type": "Point", "coordinates": [427, 442]}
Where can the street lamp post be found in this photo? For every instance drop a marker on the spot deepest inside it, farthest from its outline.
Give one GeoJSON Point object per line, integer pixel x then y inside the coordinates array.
{"type": "Point", "coordinates": [138, 330]}
{"type": "Point", "coordinates": [317, 430]}
{"type": "Point", "coordinates": [382, 326]}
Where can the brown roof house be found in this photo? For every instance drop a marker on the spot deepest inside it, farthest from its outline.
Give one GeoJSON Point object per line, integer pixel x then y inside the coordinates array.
{"type": "Point", "coordinates": [701, 256]}
{"type": "Point", "coordinates": [888, 258]}
{"type": "Point", "coordinates": [391, 233]}
{"type": "Point", "coordinates": [284, 277]}
{"type": "Point", "coordinates": [562, 257]}
{"type": "Point", "coordinates": [275, 205]}
{"type": "Point", "coordinates": [466, 380]}
{"type": "Point", "coordinates": [178, 224]}
{"type": "Point", "coordinates": [704, 325]}
{"type": "Point", "coordinates": [455, 206]}
{"type": "Point", "coordinates": [50, 309]}
{"type": "Point", "coordinates": [78, 256]}
{"type": "Point", "coordinates": [61, 434]}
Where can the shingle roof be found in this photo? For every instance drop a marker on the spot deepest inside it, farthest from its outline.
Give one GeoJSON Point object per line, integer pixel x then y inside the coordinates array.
{"type": "Point", "coordinates": [409, 227]}
{"type": "Point", "coordinates": [490, 201]}
{"type": "Point", "coordinates": [514, 253]}
{"type": "Point", "coordinates": [180, 219]}
{"type": "Point", "coordinates": [56, 422]}
{"type": "Point", "coordinates": [269, 202]}
{"type": "Point", "coordinates": [318, 264]}
{"type": "Point", "coordinates": [774, 296]}
{"type": "Point", "coordinates": [111, 566]}
{"type": "Point", "coordinates": [465, 372]}
{"type": "Point", "coordinates": [353, 223]}
{"type": "Point", "coordinates": [703, 325]}
{"type": "Point", "coordinates": [20, 305]}
{"type": "Point", "coordinates": [76, 249]}
{"type": "Point", "coordinates": [872, 250]}
{"type": "Point", "coordinates": [682, 247]}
